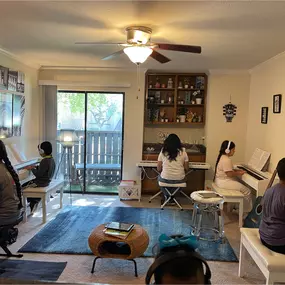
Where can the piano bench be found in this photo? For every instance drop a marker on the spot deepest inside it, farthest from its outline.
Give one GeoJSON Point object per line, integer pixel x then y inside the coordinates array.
{"type": "Point", "coordinates": [271, 264]}
{"type": "Point", "coordinates": [43, 193]}
{"type": "Point", "coordinates": [231, 196]}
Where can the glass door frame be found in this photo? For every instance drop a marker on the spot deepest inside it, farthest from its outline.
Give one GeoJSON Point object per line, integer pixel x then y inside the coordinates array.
{"type": "Point", "coordinates": [85, 134]}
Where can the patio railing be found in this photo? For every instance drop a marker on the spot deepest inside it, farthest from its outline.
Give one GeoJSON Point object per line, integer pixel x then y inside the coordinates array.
{"type": "Point", "coordinates": [102, 147]}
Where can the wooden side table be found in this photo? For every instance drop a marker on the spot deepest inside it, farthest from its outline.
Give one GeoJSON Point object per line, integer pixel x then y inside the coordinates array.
{"type": "Point", "coordinates": [132, 247]}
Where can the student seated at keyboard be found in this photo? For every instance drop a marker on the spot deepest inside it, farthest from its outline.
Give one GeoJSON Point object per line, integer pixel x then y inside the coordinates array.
{"type": "Point", "coordinates": [10, 194]}
{"type": "Point", "coordinates": [43, 173]}
{"type": "Point", "coordinates": [225, 175]}
{"type": "Point", "coordinates": [172, 162]}
{"type": "Point", "coordinates": [272, 227]}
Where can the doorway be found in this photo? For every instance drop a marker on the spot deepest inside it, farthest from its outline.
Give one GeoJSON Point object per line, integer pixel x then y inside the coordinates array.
{"type": "Point", "coordinates": [97, 119]}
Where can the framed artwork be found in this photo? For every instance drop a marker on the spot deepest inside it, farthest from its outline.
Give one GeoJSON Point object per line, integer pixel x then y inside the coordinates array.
{"type": "Point", "coordinates": [264, 115]}
{"type": "Point", "coordinates": [4, 77]}
{"type": "Point", "coordinates": [18, 114]}
{"type": "Point", "coordinates": [6, 114]}
{"type": "Point", "coordinates": [21, 82]}
{"type": "Point", "coordinates": [277, 100]}
{"type": "Point", "coordinates": [12, 80]}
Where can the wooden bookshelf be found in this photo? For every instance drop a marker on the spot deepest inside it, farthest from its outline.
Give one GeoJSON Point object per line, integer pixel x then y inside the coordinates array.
{"type": "Point", "coordinates": [170, 95]}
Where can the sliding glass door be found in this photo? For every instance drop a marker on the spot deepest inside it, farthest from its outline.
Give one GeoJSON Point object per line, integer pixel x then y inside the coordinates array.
{"type": "Point", "coordinates": [97, 119]}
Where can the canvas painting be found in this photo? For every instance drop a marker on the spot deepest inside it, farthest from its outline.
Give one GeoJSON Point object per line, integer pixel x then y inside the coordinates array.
{"type": "Point", "coordinates": [4, 77]}
{"type": "Point", "coordinates": [18, 114]}
{"type": "Point", "coordinates": [6, 115]}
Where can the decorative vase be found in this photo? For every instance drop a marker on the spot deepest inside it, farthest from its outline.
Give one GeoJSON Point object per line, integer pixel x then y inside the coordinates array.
{"type": "Point", "coordinates": [182, 118]}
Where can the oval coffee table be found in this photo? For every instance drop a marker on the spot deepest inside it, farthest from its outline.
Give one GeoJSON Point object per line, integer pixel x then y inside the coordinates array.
{"type": "Point", "coordinates": [105, 246]}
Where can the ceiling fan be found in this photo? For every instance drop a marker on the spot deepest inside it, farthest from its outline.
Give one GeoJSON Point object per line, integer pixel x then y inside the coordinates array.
{"type": "Point", "coordinates": [139, 46]}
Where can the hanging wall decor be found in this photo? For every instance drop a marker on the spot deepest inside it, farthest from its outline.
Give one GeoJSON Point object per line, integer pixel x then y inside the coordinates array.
{"type": "Point", "coordinates": [229, 111]}
{"type": "Point", "coordinates": [264, 115]}
{"type": "Point", "coordinates": [4, 77]}
{"type": "Point", "coordinates": [277, 100]}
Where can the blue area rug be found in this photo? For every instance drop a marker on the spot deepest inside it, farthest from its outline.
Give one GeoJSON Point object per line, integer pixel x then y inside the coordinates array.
{"type": "Point", "coordinates": [68, 232]}
{"type": "Point", "coordinates": [31, 270]}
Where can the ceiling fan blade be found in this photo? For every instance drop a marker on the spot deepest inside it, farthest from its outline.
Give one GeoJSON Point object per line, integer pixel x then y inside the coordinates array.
{"type": "Point", "coordinates": [183, 48]}
{"type": "Point", "coordinates": [159, 57]}
{"type": "Point", "coordinates": [113, 55]}
{"type": "Point", "coordinates": [96, 43]}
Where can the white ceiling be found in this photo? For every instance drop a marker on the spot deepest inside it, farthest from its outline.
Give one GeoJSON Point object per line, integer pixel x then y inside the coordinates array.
{"type": "Point", "coordinates": [233, 34]}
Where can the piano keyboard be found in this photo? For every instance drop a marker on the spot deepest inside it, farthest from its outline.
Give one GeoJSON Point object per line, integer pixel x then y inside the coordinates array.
{"type": "Point", "coordinates": [192, 165]}
{"type": "Point", "coordinates": [251, 173]}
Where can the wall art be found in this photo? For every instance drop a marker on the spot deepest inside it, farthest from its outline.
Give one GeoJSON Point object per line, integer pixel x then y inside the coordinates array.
{"type": "Point", "coordinates": [264, 115]}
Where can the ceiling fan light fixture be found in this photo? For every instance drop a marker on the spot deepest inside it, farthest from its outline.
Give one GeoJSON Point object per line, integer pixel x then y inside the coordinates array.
{"type": "Point", "coordinates": [138, 54]}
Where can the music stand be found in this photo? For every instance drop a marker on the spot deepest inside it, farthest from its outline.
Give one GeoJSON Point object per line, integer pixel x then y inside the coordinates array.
{"type": "Point", "coordinates": [67, 138]}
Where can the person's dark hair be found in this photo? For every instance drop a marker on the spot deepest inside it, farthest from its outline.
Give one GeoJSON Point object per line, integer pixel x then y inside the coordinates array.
{"type": "Point", "coordinates": [281, 169]}
{"type": "Point", "coordinates": [46, 147]}
{"type": "Point", "coordinates": [5, 159]}
{"type": "Point", "coordinates": [182, 269]}
{"type": "Point", "coordinates": [171, 147]}
{"type": "Point", "coordinates": [222, 151]}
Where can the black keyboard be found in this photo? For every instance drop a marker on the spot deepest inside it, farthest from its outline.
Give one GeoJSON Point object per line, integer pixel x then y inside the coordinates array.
{"type": "Point", "coordinates": [250, 173]}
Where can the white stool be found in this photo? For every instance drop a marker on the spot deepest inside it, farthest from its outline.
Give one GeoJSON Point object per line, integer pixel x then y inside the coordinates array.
{"type": "Point", "coordinates": [231, 196]}
{"type": "Point", "coordinates": [207, 205]}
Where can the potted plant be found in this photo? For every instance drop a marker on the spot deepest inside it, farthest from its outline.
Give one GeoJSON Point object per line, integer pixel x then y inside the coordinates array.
{"type": "Point", "coordinates": [182, 112]}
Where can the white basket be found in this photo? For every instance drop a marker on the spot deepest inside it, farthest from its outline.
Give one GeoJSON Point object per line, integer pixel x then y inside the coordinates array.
{"type": "Point", "coordinates": [130, 192]}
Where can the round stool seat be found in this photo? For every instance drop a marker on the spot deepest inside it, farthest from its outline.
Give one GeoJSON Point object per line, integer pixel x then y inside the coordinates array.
{"type": "Point", "coordinates": [204, 209]}
{"type": "Point", "coordinates": [198, 198]}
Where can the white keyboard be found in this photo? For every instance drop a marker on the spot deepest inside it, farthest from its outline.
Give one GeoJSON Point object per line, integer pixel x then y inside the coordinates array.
{"type": "Point", "coordinates": [192, 165]}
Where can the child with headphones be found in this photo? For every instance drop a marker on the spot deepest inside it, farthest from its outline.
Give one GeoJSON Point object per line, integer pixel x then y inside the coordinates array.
{"type": "Point", "coordinates": [43, 173]}
{"type": "Point", "coordinates": [177, 262]}
{"type": "Point", "coordinates": [225, 174]}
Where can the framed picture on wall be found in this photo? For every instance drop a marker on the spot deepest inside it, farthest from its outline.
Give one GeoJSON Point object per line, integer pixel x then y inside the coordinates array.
{"type": "Point", "coordinates": [3, 77]}
{"type": "Point", "coordinates": [277, 100]}
{"type": "Point", "coordinates": [264, 115]}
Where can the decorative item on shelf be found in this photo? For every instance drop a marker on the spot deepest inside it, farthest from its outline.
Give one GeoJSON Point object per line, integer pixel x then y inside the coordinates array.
{"type": "Point", "coordinates": [191, 87]}
{"type": "Point", "coordinates": [182, 112]}
{"type": "Point", "coordinates": [157, 97]}
{"type": "Point", "coordinates": [166, 120]}
{"type": "Point", "coordinates": [200, 82]}
{"type": "Point", "coordinates": [180, 85]}
{"type": "Point", "coordinates": [264, 115]}
{"type": "Point", "coordinates": [162, 136]}
{"type": "Point", "coordinates": [277, 100]}
{"type": "Point", "coordinates": [198, 101]}
{"type": "Point", "coordinates": [190, 116]}
{"type": "Point", "coordinates": [177, 119]}
{"type": "Point", "coordinates": [163, 85]}
{"type": "Point", "coordinates": [150, 84]}
{"type": "Point", "coordinates": [157, 84]}
{"type": "Point", "coordinates": [162, 114]}
{"type": "Point", "coordinates": [187, 97]}
{"type": "Point", "coordinates": [169, 99]}
{"type": "Point", "coordinates": [170, 83]}
{"type": "Point", "coordinates": [229, 111]}
{"type": "Point", "coordinates": [186, 83]}
{"type": "Point", "coordinates": [162, 101]}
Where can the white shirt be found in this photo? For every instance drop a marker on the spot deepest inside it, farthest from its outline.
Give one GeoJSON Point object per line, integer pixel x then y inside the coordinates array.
{"type": "Point", "coordinates": [173, 170]}
{"type": "Point", "coordinates": [225, 164]}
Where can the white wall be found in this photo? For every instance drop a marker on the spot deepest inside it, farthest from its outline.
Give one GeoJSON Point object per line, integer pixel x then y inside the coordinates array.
{"type": "Point", "coordinates": [267, 79]}
{"type": "Point", "coordinates": [33, 119]}
{"type": "Point", "coordinates": [133, 136]}
{"type": "Point", "coordinates": [220, 88]}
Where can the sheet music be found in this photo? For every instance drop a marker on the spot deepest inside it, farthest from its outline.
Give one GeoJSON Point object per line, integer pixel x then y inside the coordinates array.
{"type": "Point", "coordinates": [259, 159]}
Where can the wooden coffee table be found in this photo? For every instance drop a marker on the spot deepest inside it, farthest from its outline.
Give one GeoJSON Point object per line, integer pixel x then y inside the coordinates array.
{"type": "Point", "coordinates": [105, 246]}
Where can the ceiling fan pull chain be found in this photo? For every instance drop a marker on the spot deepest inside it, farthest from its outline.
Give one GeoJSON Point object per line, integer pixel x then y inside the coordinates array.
{"type": "Point", "coordinates": [138, 78]}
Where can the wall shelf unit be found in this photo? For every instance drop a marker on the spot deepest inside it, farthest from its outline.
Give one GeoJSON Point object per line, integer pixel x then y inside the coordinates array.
{"type": "Point", "coordinates": [175, 99]}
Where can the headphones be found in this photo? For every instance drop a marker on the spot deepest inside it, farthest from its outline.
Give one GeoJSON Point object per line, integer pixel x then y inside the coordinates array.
{"type": "Point", "coordinates": [227, 151]}
{"type": "Point", "coordinates": [174, 255]}
{"type": "Point", "coordinates": [41, 151]}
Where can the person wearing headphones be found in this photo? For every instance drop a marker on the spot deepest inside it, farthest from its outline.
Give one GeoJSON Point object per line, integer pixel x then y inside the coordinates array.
{"type": "Point", "coordinates": [177, 262]}
{"type": "Point", "coordinates": [43, 173]}
{"type": "Point", "coordinates": [225, 174]}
